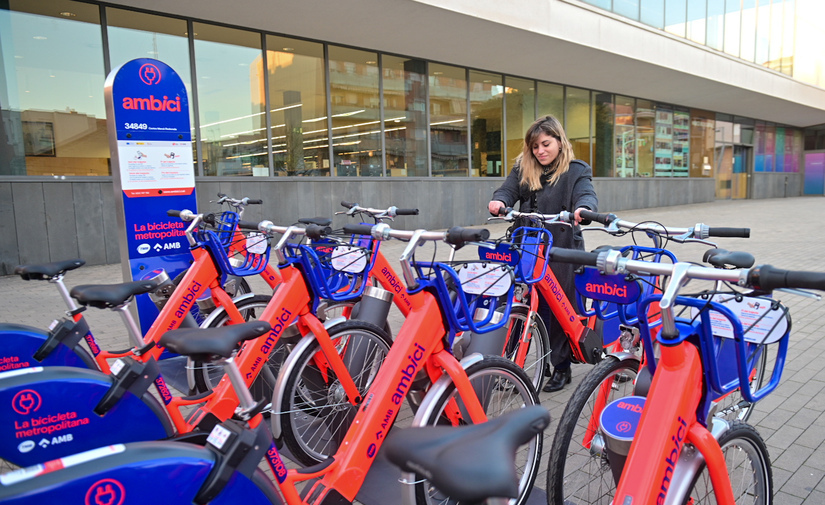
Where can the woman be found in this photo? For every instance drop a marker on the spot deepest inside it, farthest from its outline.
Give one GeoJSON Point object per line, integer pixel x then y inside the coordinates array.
{"type": "Point", "coordinates": [545, 178]}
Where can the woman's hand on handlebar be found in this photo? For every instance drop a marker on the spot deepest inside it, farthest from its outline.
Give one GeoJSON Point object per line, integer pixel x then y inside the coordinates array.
{"type": "Point", "coordinates": [495, 207]}
{"type": "Point", "coordinates": [577, 214]}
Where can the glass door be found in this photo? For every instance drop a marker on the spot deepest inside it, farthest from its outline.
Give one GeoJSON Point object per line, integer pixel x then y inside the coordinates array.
{"type": "Point", "coordinates": [739, 172]}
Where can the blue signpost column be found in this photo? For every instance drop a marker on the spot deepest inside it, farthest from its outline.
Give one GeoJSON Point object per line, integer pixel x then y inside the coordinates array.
{"type": "Point", "coordinates": [152, 166]}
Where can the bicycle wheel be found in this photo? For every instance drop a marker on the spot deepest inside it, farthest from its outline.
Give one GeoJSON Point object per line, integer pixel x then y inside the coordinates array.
{"type": "Point", "coordinates": [749, 468]}
{"type": "Point", "coordinates": [537, 355]}
{"type": "Point", "coordinates": [732, 407]}
{"type": "Point", "coordinates": [578, 471]}
{"type": "Point", "coordinates": [502, 387]}
{"type": "Point", "coordinates": [206, 375]}
{"type": "Point", "coordinates": [314, 411]}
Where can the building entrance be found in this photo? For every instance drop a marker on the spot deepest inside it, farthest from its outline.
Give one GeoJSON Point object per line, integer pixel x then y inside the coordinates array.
{"type": "Point", "coordinates": [733, 164]}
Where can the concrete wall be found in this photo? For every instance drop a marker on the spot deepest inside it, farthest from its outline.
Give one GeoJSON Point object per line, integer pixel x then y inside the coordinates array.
{"type": "Point", "coordinates": [781, 185]}
{"type": "Point", "coordinates": [51, 220]}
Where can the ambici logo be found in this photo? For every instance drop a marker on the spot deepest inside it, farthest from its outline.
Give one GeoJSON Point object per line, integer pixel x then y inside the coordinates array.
{"type": "Point", "coordinates": [106, 492]}
{"type": "Point", "coordinates": [26, 401]}
{"type": "Point", "coordinates": [144, 248]}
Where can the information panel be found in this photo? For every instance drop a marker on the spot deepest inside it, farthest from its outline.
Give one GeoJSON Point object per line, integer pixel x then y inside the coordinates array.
{"type": "Point", "coordinates": [147, 110]}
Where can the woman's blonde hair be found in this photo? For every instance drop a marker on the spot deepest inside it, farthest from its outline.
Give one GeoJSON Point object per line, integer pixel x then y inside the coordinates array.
{"type": "Point", "coordinates": [531, 170]}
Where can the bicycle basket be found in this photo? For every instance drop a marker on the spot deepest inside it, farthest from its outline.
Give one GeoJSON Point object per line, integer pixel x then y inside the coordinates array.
{"type": "Point", "coordinates": [336, 270]}
{"type": "Point", "coordinates": [249, 253]}
{"type": "Point", "coordinates": [225, 227]}
{"type": "Point", "coordinates": [533, 247]}
{"type": "Point", "coordinates": [475, 295]}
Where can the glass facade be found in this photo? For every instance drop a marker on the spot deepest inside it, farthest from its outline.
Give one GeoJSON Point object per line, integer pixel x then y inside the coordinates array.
{"type": "Point", "coordinates": [266, 105]}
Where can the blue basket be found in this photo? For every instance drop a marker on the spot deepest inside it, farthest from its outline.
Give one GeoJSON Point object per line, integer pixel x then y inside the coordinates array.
{"type": "Point", "coordinates": [336, 270]}
{"type": "Point", "coordinates": [248, 258]}
{"type": "Point", "coordinates": [225, 226]}
{"type": "Point", "coordinates": [533, 245]}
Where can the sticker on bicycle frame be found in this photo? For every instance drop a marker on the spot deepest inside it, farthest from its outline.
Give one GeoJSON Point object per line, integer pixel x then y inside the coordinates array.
{"type": "Point", "coordinates": [503, 253]}
{"type": "Point", "coordinates": [488, 279]}
{"type": "Point", "coordinates": [256, 243]}
{"type": "Point", "coordinates": [762, 324]}
{"type": "Point", "coordinates": [349, 259]}
{"type": "Point", "coordinates": [75, 459]}
{"type": "Point", "coordinates": [117, 366]}
{"type": "Point", "coordinates": [218, 436]}
{"type": "Point", "coordinates": [607, 288]}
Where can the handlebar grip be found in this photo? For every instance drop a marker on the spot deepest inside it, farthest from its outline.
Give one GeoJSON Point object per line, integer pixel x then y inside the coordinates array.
{"type": "Point", "coordinates": [315, 231]}
{"type": "Point", "coordinates": [209, 218]}
{"type": "Point", "coordinates": [247, 225]}
{"type": "Point", "coordinates": [574, 256]}
{"type": "Point", "coordinates": [358, 229]}
{"type": "Point", "coordinates": [604, 219]}
{"type": "Point", "coordinates": [458, 235]}
{"type": "Point", "coordinates": [254, 201]}
{"type": "Point", "coordinates": [348, 205]}
{"type": "Point", "coordinates": [767, 278]}
{"type": "Point", "coordinates": [221, 195]}
{"type": "Point", "coordinates": [406, 212]}
{"type": "Point", "coordinates": [729, 232]}
{"type": "Point", "coordinates": [173, 213]}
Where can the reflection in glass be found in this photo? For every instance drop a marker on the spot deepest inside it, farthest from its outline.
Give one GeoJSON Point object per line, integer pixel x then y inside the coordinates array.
{"type": "Point", "coordinates": [747, 50]}
{"type": "Point", "coordinates": [779, 142]}
{"type": "Point", "coordinates": [52, 109]}
{"type": "Point", "coordinates": [702, 143]}
{"type": "Point", "coordinates": [356, 119]}
{"type": "Point", "coordinates": [759, 147]}
{"type": "Point", "coordinates": [405, 116]}
{"type": "Point", "coordinates": [297, 106]}
{"type": "Point", "coordinates": [486, 94]}
{"type": "Point", "coordinates": [604, 4]}
{"type": "Point", "coordinates": [448, 120]}
{"type": "Point", "coordinates": [603, 130]}
{"type": "Point", "coordinates": [645, 135]}
{"type": "Point", "coordinates": [777, 25]}
{"type": "Point", "coordinates": [675, 16]}
{"type": "Point", "coordinates": [663, 143]}
{"type": "Point", "coordinates": [520, 98]}
{"type": "Point", "coordinates": [733, 19]}
{"type": "Point", "coordinates": [138, 35]}
{"type": "Point", "coordinates": [230, 81]}
{"type": "Point", "coordinates": [763, 32]}
{"type": "Point", "coordinates": [770, 146]}
{"type": "Point", "coordinates": [681, 143]}
{"type": "Point", "coordinates": [716, 24]}
{"type": "Point", "coordinates": [653, 13]}
{"type": "Point", "coordinates": [577, 121]}
{"type": "Point", "coordinates": [696, 15]}
{"type": "Point", "coordinates": [551, 100]}
{"type": "Point", "coordinates": [627, 8]}
{"type": "Point", "coordinates": [787, 55]}
{"type": "Point", "coordinates": [625, 136]}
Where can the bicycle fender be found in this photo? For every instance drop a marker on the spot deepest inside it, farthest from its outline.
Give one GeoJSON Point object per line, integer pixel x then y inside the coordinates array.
{"type": "Point", "coordinates": [623, 355]}
{"type": "Point", "coordinates": [49, 413]}
{"type": "Point", "coordinates": [19, 343]}
{"type": "Point", "coordinates": [288, 368]}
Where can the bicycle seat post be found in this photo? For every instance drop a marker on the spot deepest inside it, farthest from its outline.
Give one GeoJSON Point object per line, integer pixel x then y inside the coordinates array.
{"type": "Point", "coordinates": [247, 403]}
{"type": "Point", "coordinates": [130, 323]}
{"type": "Point", "coordinates": [64, 293]}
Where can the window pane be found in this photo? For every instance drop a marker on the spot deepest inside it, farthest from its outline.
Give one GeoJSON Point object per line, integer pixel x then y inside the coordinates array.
{"type": "Point", "coordinates": [653, 13]}
{"type": "Point", "coordinates": [627, 8]}
{"type": "Point", "coordinates": [135, 35]}
{"type": "Point", "coordinates": [645, 133]}
{"type": "Point", "coordinates": [681, 143]}
{"type": "Point", "coordinates": [448, 120]}
{"type": "Point", "coordinates": [604, 4]}
{"type": "Point", "coordinates": [625, 134]}
{"type": "Point", "coordinates": [663, 149]}
{"type": "Point", "coordinates": [675, 16]}
{"type": "Point", "coordinates": [788, 28]}
{"type": "Point", "coordinates": [521, 112]}
{"type": "Point", "coordinates": [747, 50]}
{"type": "Point", "coordinates": [716, 24]}
{"type": "Point", "coordinates": [577, 122]}
{"type": "Point", "coordinates": [763, 32]}
{"type": "Point", "coordinates": [702, 143]}
{"type": "Point", "coordinates": [486, 93]}
{"type": "Point", "coordinates": [51, 104]}
{"type": "Point", "coordinates": [759, 147]}
{"type": "Point", "coordinates": [603, 126]}
{"type": "Point", "coordinates": [779, 164]}
{"type": "Point", "coordinates": [733, 19]}
{"type": "Point", "coordinates": [696, 20]}
{"type": "Point", "coordinates": [405, 116]}
{"type": "Point", "coordinates": [770, 147]}
{"type": "Point", "coordinates": [356, 123]}
{"type": "Point", "coordinates": [777, 25]}
{"type": "Point", "coordinates": [551, 100]}
{"type": "Point", "coordinates": [297, 106]}
{"type": "Point", "coordinates": [230, 101]}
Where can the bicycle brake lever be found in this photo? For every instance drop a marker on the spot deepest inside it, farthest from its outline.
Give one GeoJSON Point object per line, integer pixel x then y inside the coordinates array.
{"type": "Point", "coordinates": [801, 292]}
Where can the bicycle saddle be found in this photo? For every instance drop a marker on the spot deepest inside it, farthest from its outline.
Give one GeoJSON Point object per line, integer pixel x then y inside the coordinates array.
{"type": "Point", "coordinates": [106, 296]}
{"type": "Point", "coordinates": [320, 221]}
{"type": "Point", "coordinates": [45, 271]}
{"type": "Point", "coordinates": [721, 258]}
{"type": "Point", "coordinates": [204, 344]}
{"type": "Point", "coordinates": [472, 462]}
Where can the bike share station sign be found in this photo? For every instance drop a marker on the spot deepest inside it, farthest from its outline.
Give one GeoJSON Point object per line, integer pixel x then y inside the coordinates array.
{"type": "Point", "coordinates": [151, 145]}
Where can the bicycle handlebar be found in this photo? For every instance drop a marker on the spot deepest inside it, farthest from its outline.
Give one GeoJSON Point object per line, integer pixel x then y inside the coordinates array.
{"type": "Point", "coordinates": [768, 278]}
{"type": "Point", "coordinates": [457, 235]}
{"type": "Point", "coordinates": [604, 219]}
{"type": "Point", "coordinates": [729, 232]}
{"type": "Point", "coordinates": [358, 229]}
{"type": "Point", "coordinates": [389, 212]}
{"type": "Point", "coordinates": [574, 256]}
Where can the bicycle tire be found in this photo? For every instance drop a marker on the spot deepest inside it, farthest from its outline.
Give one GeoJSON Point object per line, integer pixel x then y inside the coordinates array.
{"type": "Point", "coordinates": [746, 457]}
{"type": "Point", "coordinates": [506, 387]}
{"type": "Point", "coordinates": [537, 359]}
{"type": "Point", "coordinates": [207, 375]}
{"type": "Point", "coordinates": [314, 413]}
{"type": "Point", "coordinates": [575, 474]}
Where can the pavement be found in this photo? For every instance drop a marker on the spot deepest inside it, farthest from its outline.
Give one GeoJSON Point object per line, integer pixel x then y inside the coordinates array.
{"type": "Point", "coordinates": [784, 233]}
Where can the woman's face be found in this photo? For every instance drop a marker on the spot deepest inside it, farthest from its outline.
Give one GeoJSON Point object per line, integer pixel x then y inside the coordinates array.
{"type": "Point", "coordinates": [546, 149]}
